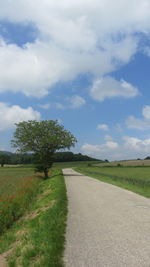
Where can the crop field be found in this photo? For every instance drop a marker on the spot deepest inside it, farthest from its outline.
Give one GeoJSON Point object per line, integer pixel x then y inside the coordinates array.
{"type": "Point", "coordinates": [126, 163]}
{"type": "Point", "coordinates": [136, 179]}
{"type": "Point", "coordinates": [17, 188]}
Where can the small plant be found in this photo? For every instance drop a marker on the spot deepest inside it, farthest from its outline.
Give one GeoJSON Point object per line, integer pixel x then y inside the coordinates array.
{"type": "Point", "coordinates": [119, 165]}
{"type": "Point", "coordinates": [89, 164]}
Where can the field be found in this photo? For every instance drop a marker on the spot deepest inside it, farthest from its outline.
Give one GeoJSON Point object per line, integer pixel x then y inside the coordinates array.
{"type": "Point", "coordinates": [126, 163]}
{"type": "Point", "coordinates": [37, 238]}
{"type": "Point", "coordinates": [17, 188]}
{"type": "Point", "coordinates": [136, 179]}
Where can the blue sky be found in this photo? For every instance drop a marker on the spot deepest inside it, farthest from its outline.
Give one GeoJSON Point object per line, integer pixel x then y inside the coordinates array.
{"type": "Point", "coordinates": [85, 63]}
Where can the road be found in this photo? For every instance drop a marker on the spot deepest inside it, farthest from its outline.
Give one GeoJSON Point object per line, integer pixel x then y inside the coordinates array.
{"type": "Point", "coordinates": [107, 226]}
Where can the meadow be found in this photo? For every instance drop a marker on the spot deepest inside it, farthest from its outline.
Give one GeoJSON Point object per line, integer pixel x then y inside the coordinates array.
{"type": "Point", "coordinates": [136, 179]}
{"type": "Point", "coordinates": [18, 186]}
{"type": "Point", "coordinates": [127, 163]}
{"type": "Point", "coordinates": [35, 237]}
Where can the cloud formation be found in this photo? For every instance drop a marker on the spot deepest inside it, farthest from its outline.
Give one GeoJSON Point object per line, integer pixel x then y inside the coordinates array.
{"type": "Point", "coordinates": [103, 127]}
{"type": "Point", "coordinates": [129, 148]}
{"type": "Point", "coordinates": [76, 101]}
{"type": "Point", "coordinates": [108, 87]}
{"type": "Point", "coordinates": [73, 37]}
{"type": "Point", "coordinates": [9, 115]}
{"type": "Point", "coordinates": [140, 124]}
{"type": "Point", "coordinates": [73, 102]}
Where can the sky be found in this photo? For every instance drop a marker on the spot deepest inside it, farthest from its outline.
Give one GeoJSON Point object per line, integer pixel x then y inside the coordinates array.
{"type": "Point", "coordinates": [85, 63]}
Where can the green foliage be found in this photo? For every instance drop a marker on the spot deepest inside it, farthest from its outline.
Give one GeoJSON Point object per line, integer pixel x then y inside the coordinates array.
{"type": "Point", "coordinates": [4, 159]}
{"type": "Point", "coordinates": [119, 165]}
{"type": "Point", "coordinates": [43, 139]}
{"type": "Point", "coordinates": [69, 157]}
{"type": "Point", "coordinates": [29, 158]}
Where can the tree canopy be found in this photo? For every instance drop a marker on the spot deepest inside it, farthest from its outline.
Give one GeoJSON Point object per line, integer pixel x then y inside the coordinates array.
{"type": "Point", "coordinates": [42, 138]}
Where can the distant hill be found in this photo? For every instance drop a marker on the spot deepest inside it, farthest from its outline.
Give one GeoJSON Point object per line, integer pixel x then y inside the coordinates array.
{"type": "Point", "coordinates": [12, 158]}
{"type": "Point", "coordinates": [5, 152]}
{"type": "Point", "coordinates": [70, 156]}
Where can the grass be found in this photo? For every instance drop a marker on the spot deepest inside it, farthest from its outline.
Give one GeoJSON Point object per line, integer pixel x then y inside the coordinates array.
{"type": "Point", "coordinates": [37, 239]}
{"type": "Point", "coordinates": [18, 187]}
{"type": "Point", "coordinates": [131, 178]}
{"type": "Point", "coordinates": [126, 163]}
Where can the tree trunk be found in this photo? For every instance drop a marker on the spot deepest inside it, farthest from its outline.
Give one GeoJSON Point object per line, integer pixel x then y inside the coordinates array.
{"type": "Point", "coordinates": [46, 173]}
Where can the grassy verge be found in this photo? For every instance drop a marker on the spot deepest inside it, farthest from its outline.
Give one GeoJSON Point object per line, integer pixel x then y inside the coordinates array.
{"type": "Point", "coordinates": [37, 239]}
{"type": "Point", "coordinates": [133, 179]}
{"type": "Point", "coordinates": [17, 190]}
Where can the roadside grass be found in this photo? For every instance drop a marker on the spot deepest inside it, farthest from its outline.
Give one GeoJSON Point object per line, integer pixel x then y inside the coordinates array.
{"type": "Point", "coordinates": [131, 178]}
{"type": "Point", "coordinates": [18, 188]}
{"type": "Point", "coordinates": [37, 239]}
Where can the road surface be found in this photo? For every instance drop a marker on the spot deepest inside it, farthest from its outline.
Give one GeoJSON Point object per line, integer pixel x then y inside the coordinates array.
{"type": "Point", "coordinates": [107, 226]}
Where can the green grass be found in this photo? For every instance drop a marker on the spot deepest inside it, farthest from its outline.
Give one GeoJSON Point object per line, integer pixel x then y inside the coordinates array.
{"type": "Point", "coordinates": [131, 178]}
{"type": "Point", "coordinates": [38, 238]}
{"type": "Point", "coordinates": [18, 188]}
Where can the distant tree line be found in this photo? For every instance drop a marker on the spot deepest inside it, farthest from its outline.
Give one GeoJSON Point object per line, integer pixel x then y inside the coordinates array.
{"type": "Point", "coordinates": [70, 156]}
{"type": "Point", "coordinates": [26, 158]}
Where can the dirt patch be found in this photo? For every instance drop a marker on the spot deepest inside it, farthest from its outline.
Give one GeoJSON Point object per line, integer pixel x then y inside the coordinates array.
{"type": "Point", "coordinates": [6, 254]}
{"type": "Point", "coordinates": [21, 233]}
{"type": "Point", "coordinates": [44, 194]}
{"type": "Point", "coordinates": [37, 212]}
{"type": "Point", "coordinates": [3, 262]}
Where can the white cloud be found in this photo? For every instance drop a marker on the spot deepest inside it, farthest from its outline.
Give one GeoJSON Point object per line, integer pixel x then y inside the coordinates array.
{"type": "Point", "coordinates": [73, 37]}
{"type": "Point", "coordinates": [58, 105]}
{"type": "Point", "coordinates": [108, 138]}
{"type": "Point", "coordinates": [9, 115]}
{"type": "Point", "coordinates": [92, 149]}
{"type": "Point", "coordinates": [103, 127]}
{"type": "Point", "coordinates": [76, 101]}
{"type": "Point", "coordinates": [73, 102]}
{"type": "Point", "coordinates": [140, 124]}
{"type": "Point", "coordinates": [129, 148]}
{"type": "Point", "coordinates": [108, 87]}
{"type": "Point", "coordinates": [146, 112]}
{"type": "Point", "coordinates": [44, 106]}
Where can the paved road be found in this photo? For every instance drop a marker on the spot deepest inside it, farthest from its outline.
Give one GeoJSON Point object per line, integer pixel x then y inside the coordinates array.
{"type": "Point", "coordinates": [107, 226]}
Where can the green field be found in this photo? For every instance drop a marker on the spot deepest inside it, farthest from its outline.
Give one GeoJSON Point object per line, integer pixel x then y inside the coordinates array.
{"type": "Point", "coordinates": [18, 186]}
{"type": "Point", "coordinates": [136, 179]}
{"type": "Point", "coordinates": [35, 237]}
{"type": "Point", "coordinates": [126, 163]}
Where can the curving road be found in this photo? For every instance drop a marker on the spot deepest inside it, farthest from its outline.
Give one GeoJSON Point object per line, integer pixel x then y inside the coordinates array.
{"type": "Point", "coordinates": [107, 226]}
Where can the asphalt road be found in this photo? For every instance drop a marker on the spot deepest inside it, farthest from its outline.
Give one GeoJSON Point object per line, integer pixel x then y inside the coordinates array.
{"type": "Point", "coordinates": [107, 226]}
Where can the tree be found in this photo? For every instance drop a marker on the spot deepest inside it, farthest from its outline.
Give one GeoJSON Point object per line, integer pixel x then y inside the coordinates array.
{"type": "Point", "coordinates": [4, 159]}
{"type": "Point", "coordinates": [43, 139]}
